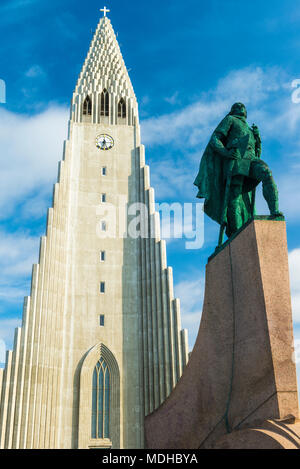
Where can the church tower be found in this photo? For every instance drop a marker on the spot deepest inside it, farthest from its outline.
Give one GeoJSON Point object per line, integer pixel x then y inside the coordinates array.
{"type": "Point", "coordinates": [101, 344]}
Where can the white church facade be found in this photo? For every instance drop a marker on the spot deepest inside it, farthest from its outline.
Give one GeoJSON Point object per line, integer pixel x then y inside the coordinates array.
{"type": "Point", "coordinates": [101, 344]}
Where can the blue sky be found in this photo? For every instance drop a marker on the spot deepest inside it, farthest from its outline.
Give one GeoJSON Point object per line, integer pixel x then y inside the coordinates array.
{"type": "Point", "coordinates": [188, 63]}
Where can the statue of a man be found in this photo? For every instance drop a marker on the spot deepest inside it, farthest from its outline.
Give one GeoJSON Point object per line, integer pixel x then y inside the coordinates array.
{"type": "Point", "coordinates": [233, 155]}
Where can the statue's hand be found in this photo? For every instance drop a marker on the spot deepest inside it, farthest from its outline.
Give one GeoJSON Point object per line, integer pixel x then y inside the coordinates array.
{"type": "Point", "coordinates": [233, 154]}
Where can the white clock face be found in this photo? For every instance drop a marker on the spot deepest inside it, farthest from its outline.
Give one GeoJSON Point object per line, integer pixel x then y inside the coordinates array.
{"type": "Point", "coordinates": [104, 142]}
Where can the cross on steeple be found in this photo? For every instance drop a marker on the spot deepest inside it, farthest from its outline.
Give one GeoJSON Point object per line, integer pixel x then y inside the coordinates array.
{"type": "Point", "coordinates": [105, 10]}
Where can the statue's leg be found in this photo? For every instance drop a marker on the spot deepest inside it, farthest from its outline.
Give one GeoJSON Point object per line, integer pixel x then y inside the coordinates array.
{"type": "Point", "coordinates": [234, 216]}
{"type": "Point", "coordinates": [261, 172]}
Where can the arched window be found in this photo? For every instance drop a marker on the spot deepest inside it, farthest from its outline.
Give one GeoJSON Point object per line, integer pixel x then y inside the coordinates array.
{"type": "Point", "coordinates": [87, 106]}
{"type": "Point", "coordinates": [104, 106]}
{"type": "Point", "coordinates": [100, 400]}
{"type": "Point", "coordinates": [122, 108]}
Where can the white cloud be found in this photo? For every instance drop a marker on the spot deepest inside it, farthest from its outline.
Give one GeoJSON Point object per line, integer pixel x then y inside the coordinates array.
{"type": "Point", "coordinates": [251, 85]}
{"type": "Point", "coordinates": [18, 252]}
{"type": "Point", "coordinates": [172, 99]}
{"type": "Point", "coordinates": [31, 148]}
{"type": "Point", "coordinates": [12, 245]}
{"type": "Point", "coordinates": [289, 196]}
{"type": "Point", "coordinates": [14, 11]}
{"type": "Point", "coordinates": [172, 179]}
{"type": "Point", "coordinates": [7, 328]}
{"type": "Point", "coordinates": [190, 291]}
{"type": "Point", "coordinates": [35, 71]}
{"type": "Point", "coordinates": [189, 129]}
{"type": "Point", "coordinates": [7, 332]}
{"type": "Point", "coordinates": [16, 4]}
{"type": "Point", "coordinates": [193, 124]}
{"type": "Point", "coordinates": [185, 127]}
{"type": "Point", "coordinates": [2, 351]}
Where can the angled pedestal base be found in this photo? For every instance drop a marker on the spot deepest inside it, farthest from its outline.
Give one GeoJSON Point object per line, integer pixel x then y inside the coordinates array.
{"type": "Point", "coordinates": [241, 372]}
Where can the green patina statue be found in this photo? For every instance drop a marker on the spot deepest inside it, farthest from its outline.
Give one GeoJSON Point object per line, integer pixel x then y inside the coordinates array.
{"type": "Point", "coordinates": [230, 169]}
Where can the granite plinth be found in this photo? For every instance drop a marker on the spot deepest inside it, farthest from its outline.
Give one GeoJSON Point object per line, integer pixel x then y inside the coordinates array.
{"type": "Point", "coordinates": [241, 372]}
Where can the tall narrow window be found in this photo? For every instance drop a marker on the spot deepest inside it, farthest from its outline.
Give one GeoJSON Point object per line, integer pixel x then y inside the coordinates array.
{"type": "Point", "coordinates": [122, 108]}
{"type": "Point", "coordinates": [102, 287]}
{"type": "Point", "coordinates": [104, 105]}
{"type": "Point", "coordinates": [87, 106]}
{"type": "Point", "coordinates": [100, 400]}
{"type": "Point", "coordinates": [102, 256]}
{"type": "Point", "coordinates": [103, 197]}
{"type": "Point", "coordinates": [104, 171]}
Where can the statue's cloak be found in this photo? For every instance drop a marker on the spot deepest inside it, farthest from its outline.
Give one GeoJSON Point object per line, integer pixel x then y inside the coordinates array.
{"type": "Point", "coordinates": [211, 179]}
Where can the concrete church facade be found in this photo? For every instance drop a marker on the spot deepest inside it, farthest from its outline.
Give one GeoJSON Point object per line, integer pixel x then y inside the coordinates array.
{"type": "Point", "coordinates": [101, 344]}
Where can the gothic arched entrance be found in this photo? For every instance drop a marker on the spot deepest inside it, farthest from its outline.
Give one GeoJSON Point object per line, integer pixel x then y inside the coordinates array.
{"type": "Point", "coordinates": [99, 400]}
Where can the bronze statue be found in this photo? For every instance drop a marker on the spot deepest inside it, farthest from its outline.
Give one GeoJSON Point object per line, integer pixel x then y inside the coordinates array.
{"type": "Point", "coordinates": [230, 169]}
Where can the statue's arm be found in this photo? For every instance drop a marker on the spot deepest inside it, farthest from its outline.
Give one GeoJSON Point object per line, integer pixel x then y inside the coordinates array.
{"type": "Point", "coordinates": [219, 138]}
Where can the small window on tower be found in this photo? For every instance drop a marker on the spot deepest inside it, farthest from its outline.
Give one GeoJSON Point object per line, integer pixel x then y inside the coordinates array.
{"type": "Point", "coordinates": [101, 319]}
{"type": "Point", "coordinates": [102, 287]}
{"type": "Point", "coordinates": [103, 198]}
{"type": "Point", "coordinates": [102, 256]}
{"type": "Point", "coordinates": [104, 171]}
{"type": "Point", "coordinates": [122, 108]}
{"type": "Point", "coordinates": [103, 226]}
{"type": "Point", "coordinates": [87, 106]}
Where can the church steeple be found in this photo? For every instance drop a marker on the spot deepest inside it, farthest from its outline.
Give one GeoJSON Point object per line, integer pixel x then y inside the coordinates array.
{"type": "Point", "coordinates": [101, 344]}
{"type": "Point", "coordinates": [104, 70]}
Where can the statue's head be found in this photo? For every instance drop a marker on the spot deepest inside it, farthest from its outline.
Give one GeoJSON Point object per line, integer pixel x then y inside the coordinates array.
{"type": "Point", "coordinates": [238, 109]}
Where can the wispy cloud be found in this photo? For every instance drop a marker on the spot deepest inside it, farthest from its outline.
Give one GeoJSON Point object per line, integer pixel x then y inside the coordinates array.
{"type": "Point", "coordinates": [16, 4]}
{"type": "Point", "coordinates": [190, 291]}
{"type": "Point", "coordinates": [193, 124]}
{"type": "Point", "coordinates": [18, 252]}
{"type": "Point", "coordinates": [16, 10]}
{"type": "Point", "coordinates": [172, 99]}
{"type": "Point", "coordinates": [2, 352]}
{"type": "Point", "coordinates": [36, 71]}
{"type": "Point", "coordinates": [172, 177]}
{"type": "Point", "coordinates": [7, 328]}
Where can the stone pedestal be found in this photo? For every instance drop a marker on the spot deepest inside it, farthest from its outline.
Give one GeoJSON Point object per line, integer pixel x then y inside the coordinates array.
{"type": "Point", "coordinates": [241, 372]}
